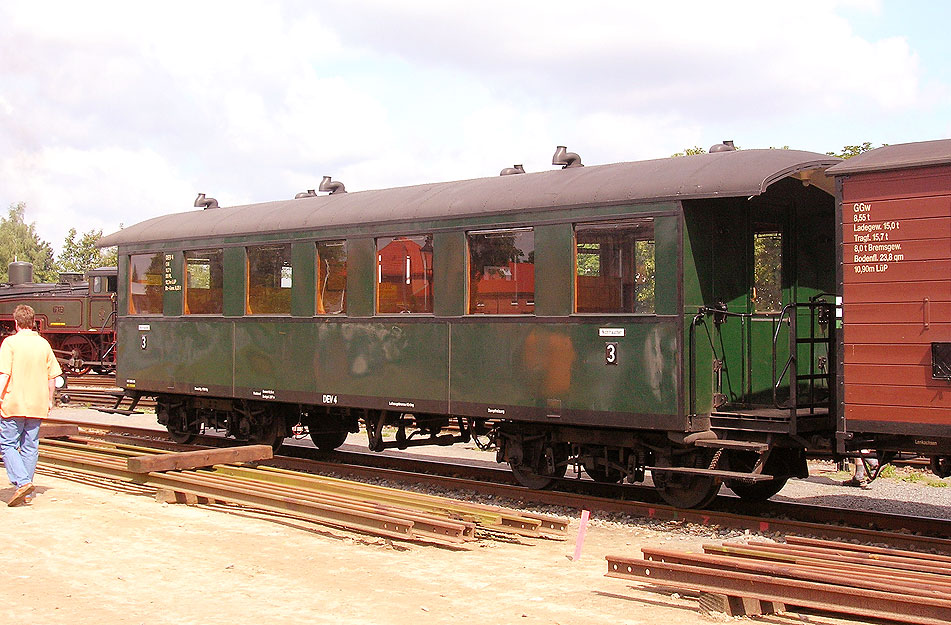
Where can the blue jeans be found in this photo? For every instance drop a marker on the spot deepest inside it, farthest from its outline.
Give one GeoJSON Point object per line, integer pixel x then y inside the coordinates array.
{"type": "Point", "coordinates": [20, 445]}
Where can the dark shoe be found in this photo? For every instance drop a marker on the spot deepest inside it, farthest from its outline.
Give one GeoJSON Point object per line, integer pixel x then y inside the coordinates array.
{"type": "Point", "coordinates": [20, 495]}
{"type": "Point", "coordinates": [852, 482]}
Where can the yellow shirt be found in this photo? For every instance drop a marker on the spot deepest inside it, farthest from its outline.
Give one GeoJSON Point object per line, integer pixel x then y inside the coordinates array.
{"type": "Point", "coordinates": [29, 361]}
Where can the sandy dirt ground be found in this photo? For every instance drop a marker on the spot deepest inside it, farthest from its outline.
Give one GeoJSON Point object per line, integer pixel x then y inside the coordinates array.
{"type": "Point", "coordinates": [86, 554]}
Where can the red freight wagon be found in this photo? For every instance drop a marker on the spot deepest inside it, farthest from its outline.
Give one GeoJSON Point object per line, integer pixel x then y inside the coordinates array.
{"type": "Point", "coordinates": [895, 280]}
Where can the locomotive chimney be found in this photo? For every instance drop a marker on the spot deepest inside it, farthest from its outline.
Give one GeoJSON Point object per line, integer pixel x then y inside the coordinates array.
{"type": "Point", "coordinates": [331, 186]}
{"type": "Point", "coordinates": [205, 202]}
{"type": "Point", "coordinates": [307, 193]}
{"type": "Point", "coordinates": [20, 272]}
{"type": "Point", "coordinates": [565, 158]}
{"type": "Point", "coordinates": [515, 169]}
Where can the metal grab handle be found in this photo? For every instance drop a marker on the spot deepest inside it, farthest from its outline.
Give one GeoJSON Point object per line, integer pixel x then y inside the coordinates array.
{"type": "Point", "coordinates": [777, 382]}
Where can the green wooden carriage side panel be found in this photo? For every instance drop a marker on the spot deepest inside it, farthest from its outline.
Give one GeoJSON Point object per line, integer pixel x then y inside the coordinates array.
{"type": "Point", "coordinates": [304, 279]}
{"type": "Point", "coordinates": [697, 280]}
{"type": "Point", "coordinates": [275, 355]}
{"type": "Point", "coordinates": [449, 273]}
{"type": "Point", "coordinates": [554, 270]}
{"type": "Point", "coordinates": [177, 353]}
{"type": "Point", "coordinates": [520, 364]}
{"type": "Point", "coordinates": [361, 277]}
{"type": "Point", "coordinates": [667, 265]}
{"type": "Point", "coordinates": [122, 288]}
{"type": "Point", "coordinates": [174, 296]}
{"type": "Point", "coordinates": [385, 358]}
{"type": "Point", "coordinates": [235, 281]}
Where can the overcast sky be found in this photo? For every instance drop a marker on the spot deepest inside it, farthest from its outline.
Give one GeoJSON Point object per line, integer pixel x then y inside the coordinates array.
{"type": "Point", "coordinates": [114, 112]}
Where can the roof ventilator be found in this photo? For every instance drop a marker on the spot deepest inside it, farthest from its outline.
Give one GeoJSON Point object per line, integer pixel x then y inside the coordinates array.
{"type": "Point", "coordinates": [514, 169]}
{"type": "Point", "coordinates": [307, 193]}
{"type": "Point", "coordinates": [726, 146]}
{"type": "Point", "coordinates": [331, 186]}
{"type": "Point", "coordinates": [565, 158]}
{"type": "Point", "coordinates": [205, 202]}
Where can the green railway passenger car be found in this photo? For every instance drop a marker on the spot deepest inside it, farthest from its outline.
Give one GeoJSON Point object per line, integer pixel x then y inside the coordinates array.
{"type": "Point", "coordinates": [669, 316]}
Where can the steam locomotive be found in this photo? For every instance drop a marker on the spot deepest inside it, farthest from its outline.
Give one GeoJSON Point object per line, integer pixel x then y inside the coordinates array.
{"type": "Point", "coordinates": [76, 315]}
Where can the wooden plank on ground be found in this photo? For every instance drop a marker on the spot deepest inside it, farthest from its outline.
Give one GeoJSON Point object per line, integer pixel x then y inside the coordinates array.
{"type": "Point", "coordinates": [58, 430]}
{"type": "Point", "coordinates": [200, 458]}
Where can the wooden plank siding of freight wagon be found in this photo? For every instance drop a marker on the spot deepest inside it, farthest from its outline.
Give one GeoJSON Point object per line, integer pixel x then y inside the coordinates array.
{"type": "Point", "coordinates": [896, 256]}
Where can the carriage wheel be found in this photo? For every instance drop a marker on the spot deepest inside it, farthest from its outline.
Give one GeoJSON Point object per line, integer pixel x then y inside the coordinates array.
{"type": "Point", "coordinates": [541, 466]}
{"type": "Point", "coordinates": [182, 429]}
{"type": "Point", "coordinates": [684, 490]}
{"type": "Point", "coordinates": [753, 491]}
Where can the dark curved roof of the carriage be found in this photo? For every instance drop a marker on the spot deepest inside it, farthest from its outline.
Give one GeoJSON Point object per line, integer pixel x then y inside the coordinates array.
{"type": "Point", "coordinates": [743, 173]}
{"type": "Point", "coordinates": [900, 156]}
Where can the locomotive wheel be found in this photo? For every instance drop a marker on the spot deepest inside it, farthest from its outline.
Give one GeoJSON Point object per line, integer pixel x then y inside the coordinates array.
{"type": "Point", "coordinates": [753, 491]}
{"type": "Point", "coordinates": [81, 348]}
{"type": "Point", "coordinates": [551, 464]}
{"type": "Point", "coordinates": [683, 490]}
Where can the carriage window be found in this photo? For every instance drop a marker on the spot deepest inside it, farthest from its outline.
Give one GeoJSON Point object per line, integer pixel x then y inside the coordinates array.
{"type": "Point", "coordinates": [614, 267]}
{"type": "Point", "coordinates": [331, 277]}
{"type": "Point", "coordinates": [502, 272]}
{"type": "Point", "coordinates": [203, 282]}
{"type": "Point", "coordinates": [146, 290]}
{"type": "Point", "coordinates": [269, 279]}
{"type": "Point", "coordinates": [405, 274]}
{"type": "Point", "coordinates": [767, 295]}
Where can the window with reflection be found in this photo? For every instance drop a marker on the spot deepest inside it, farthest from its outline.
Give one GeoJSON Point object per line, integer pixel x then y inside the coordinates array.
{"type": "Point", "coordinates": [405, 274]}
{"type": "Point", "coordinates": [767, 295]}
{"type": "Point", "coordinates": [269, 279]}
{"type": "Point", "coordinates": [331, 277]}
{"type": "Point", "coordinates": [502, 272]}
{"type": "Point", "coordinates": [203, 282]}
{"type": "Point", "coordinates": [146, 284]}
{"type": "Point", "coordinates": [614, 267]}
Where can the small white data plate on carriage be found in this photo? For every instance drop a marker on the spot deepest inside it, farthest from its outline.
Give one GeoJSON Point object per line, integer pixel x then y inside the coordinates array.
{"type": "Point", "coordinates": [144, 327]}
{"type": "Point", "coordinates": [610, 331]}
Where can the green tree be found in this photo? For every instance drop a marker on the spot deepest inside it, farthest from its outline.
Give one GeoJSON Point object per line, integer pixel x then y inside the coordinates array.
{"type": "Point", "coordinates": [82, 255]}
{"type": "Point", "coordinates": [690, 151]}
{"type": "Point", "coordinates": [849, 151]}
{"type": "Point", "coordinates": [19, 241]}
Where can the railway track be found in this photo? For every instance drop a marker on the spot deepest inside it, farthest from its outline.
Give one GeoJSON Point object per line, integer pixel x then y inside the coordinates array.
{"type": "Point", "coordinates": [897, 531]}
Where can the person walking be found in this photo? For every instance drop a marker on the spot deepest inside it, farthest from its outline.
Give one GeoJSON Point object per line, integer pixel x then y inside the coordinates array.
{"type": "Point", "coordinates": [28, 370]}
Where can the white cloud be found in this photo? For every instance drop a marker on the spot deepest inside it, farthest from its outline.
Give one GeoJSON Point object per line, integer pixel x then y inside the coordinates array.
{"type": "Point", "coordinates": [93, 189]}
{"type": "Point", "coordinates": [253, 101]}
